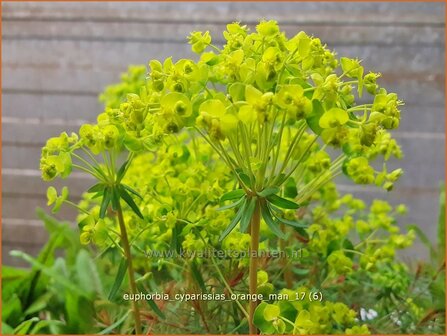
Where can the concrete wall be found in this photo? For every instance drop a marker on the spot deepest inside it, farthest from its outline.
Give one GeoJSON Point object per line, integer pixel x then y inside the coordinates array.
{"type": "Point", "coordinates": [57, 57]}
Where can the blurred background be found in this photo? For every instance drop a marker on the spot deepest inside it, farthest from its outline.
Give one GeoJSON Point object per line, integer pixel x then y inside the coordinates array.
{"type": "Point", "coordinates": [57, 58]}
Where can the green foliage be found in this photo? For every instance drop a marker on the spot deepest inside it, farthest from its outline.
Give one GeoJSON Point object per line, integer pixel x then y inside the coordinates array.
{"type": "Point", "coordinates": [441, 223]}
{"type": "Point", "coordinates": [54, 289]}
{"type": "Point", "coordinates": [186, 159]}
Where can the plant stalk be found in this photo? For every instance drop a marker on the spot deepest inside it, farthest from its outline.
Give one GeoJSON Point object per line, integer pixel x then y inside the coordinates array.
{"type": "Point", "coordinates": [253, 270]}
{"type": "Point", "coordinates": [284, 261]}
{"type": "Point", "coordinates": [128, 255]}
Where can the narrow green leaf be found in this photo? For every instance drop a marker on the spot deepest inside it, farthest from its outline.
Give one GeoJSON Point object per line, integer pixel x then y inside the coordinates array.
{"type": "Point", "coordinates": [276, 210]}
{"type": "Point", "coordinates": [23, 328]}
{"type": "Point", "coordinates": [11, 273]}
{"type": "Point", "coordinates": [245, 178]}
{"type": "Point", "coordinates": [423, 238]}
{"type": "Point", "coordinates": [196, 274]}
{"type": "Point", "coordinates": [115, 198]}
{"type": "Point", "coordinates": [175, 238]}
{"type": "Point", "coordinates": [98, 187]}
{"type": "Point", "coordinates": [132, 191]}
{"type": "Point", "coordinates": [121, 172]}
{"type": "Point", "coordinates": [292, 223]}
{"type": "Point", "coordinates": [6, 329]}
{"type": "Point", "coordinates": [105, 202]}
{"type": "Point", "coordinates": [232, 205]}
{"type": "Point", "coordinates": [300, 271]}
{"type": "Point", "coordinates": [129, 200]}
{"type": "Point", "coordinates": [99, 171]}
{"type": "Point", "coordinates": [279, 215]}
{"type": "Point", "coordinates": [110, 328]}
{"type": "Point", "coordinates": [282, 202]}
{"type": "Point", "coordinates": [39, 304]}
{"type": "Point", "coordinates": [234, 194]}
{"type": "Point", "coordinates": [234, 222]}
{"type": "Point", "coordinates": [12, 306]}
{"type": "Point", "coordinates": [248, 213]}
{"type": "Point", "coordinates": [50, 272]}
{"type": "Point", "coordinates": [97, 195]}
{"type": "Point", "coordinates": [118, 279]}
{"type": "Point", "coordinates": [290, 189]}
{"type": "Point", "coordinates": [151, 302]}
{"type": "Point", "coordinates": [45, 324]}
{"type": "Point", "coordinates": [156, 309]}
{"type": "Point", "coordinates": [87, 273]}
{"type": "Point", "coordinates": [268, 191]}
{"type": "Point", "coordinates": [303, 235]}
{"type": "Point", "coordinates": [271, 223]}
{"type": "Point", "coordinates": [52, 225]}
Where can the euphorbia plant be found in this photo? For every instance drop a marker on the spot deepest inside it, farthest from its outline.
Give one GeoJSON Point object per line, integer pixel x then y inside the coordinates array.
{"type": "Point", "coordinates": [106, 140]}
{"type": "Point", "coordinates": [269, 106]}
{"type": "Point", "coordinates": [277, 88]}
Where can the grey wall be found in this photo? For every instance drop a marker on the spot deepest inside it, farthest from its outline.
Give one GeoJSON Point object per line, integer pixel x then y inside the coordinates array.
{"type": "Point", "coordinates": [57, 57]}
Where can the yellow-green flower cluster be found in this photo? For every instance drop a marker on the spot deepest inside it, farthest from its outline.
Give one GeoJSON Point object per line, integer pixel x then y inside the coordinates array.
{"type": "Point", "coordinates": [243, 98]}
{"type": "Point", "coordinates": [378, 235]}
{"type": "Point", "coordinates": [303, 316]}
{"type": "Point", "coordinates": [56, 156]}
{"type": "Point", "coordinates": [131, 82]}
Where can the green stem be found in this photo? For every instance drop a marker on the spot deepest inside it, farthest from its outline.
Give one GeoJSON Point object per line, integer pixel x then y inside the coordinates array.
{"type": "Point", "coordinates": [237, 154]}
{"type": "Point", "coordinates": [328, 174]}
{"type": "Point", "coordinates": [281, 181]}
{"type": "Point", "coordinates": [100, 178]}
{"type": "Point", "coordinates": [354, 251]}
{"type": "Point", "coordinates": [253, 270]}
{"type": "Point", "coordinates": [130, 158]}
{"type": "Point", "coordinates": [128, 255]}
{"type": "Point", "coordinates": [295, 141]}
{"type": "Point", "coordinates": [309, 191]}
{"type": "Point", "coordinates": [367, 107]}
{"type": "Point", "coordinates": [88, 164]}
{"type": "Point", "coordinates": [90, 156]}
{"type": "Point", "coordinates": [107, 164]}
{"type": "Point", "coordinates": [348, 82]}
{"type": "Point", "coordinates": [284, 67]}
{"type": "Point", "coordinates": [100, 174]}
{"type": "Point", "coordinates": [213, 146]}
{"type": "Point", "coordinates": [214, 47]}
{"type": "Point", "coordinates": [288, 321]}
{"type": "Point", "coordinates": [219, 272]}
{"type": "Point", "coordinates": [194, 144]}
{"type": "Point", "coordinates": [112, 163]}
{"type": "Point", "coordinates": [246, 148]}
{"type": "Point", "coordinates": [276, 155]}
{"type": "Point", "coordinates": [229, 161]}
{"type": "Point", "coordinates": [309, 89]}
{"type": "Point", "coordinates": [227, 285]}
{"type": "Point", "coordinates": [77, 207]}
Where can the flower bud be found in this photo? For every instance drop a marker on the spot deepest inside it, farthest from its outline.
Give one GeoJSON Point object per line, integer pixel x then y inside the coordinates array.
{"type": "Point", "coordinates": [172, 127]}
{"type": "Point", "coordinates": [111, 135]}
{"type": "Point", "coordinates": [368, 134]}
